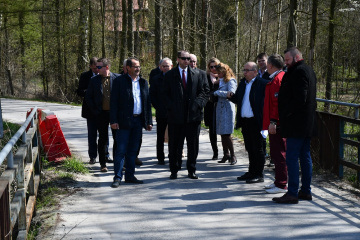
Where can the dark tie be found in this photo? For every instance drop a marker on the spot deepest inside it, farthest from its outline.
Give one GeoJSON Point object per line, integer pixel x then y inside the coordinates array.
{"type": "Point", "coordinates": [183, 79]}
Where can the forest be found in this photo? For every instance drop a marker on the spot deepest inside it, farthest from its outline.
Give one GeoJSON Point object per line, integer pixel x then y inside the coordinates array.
{"type": "Point", "coordinates": [45, 45]}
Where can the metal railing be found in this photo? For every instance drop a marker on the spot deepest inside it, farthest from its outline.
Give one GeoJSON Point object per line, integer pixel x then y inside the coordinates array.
{"type": "Point", "coordinates": [354, 105]}
{"type": "Point", "coordinates": [23, 168]}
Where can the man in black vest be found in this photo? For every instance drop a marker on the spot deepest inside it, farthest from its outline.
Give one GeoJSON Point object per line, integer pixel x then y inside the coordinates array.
{"type": "Point", "coordinates": [186, 93]}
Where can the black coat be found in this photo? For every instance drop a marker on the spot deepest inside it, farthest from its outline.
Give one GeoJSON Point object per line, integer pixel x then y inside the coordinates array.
{"type": "Point", "coordinates": [81, 92]}
{"type": "Point", "coordinates": [157, 95]}
{"type": "Point", "coordinates": [209, 109]}
{"type": "Point", "coordinates": [297, 101]}
{"type": "Point", "coordinates": [94, 94]}
{"type": "Point", "coordinates": [257, 95]}
{"type": "Point", "coordinates": [185, 106]}
{"type": "Point", "coordinates": [122, 102]}
{"type": "Point", "coordinates": [153, 73]}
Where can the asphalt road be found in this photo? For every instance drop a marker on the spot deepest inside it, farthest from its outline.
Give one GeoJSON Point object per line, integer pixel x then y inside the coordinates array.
{"type": "Point", "coordinates": [216, 206]}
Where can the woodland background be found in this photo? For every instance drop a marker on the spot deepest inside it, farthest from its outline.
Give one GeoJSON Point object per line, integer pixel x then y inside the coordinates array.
{"type": "Point", "coordinates": [45, 45]}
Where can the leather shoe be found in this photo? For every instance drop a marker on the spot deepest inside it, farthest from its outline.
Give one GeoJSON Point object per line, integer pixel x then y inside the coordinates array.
{"type": "Point", "coordinates": [103, 169]}
{"type": "Point", "coordinates": [161, 162]}
{"type": "Point", "coordinates": [255, 180]}
{"type": "Point", "coordinates": [245, 176]}
{"type": "Point", "coordinates": [116, 183]}
{"type": "Point", "coordinates": [138, 162]}
{"type": "Point", "coordinates": [109, 160]}
{"type": "Point", "coordinates": [92, 161]}
{"type": "Point", "coordinates": [233, 160]}
{"type": "Point", "coordinates": [286, 198]}
{"type": "Point", "coordinates": [134, 180]}
{"type": "Point", "coordinates": [193, 176]}
{"type": "Point", "coordinates": [173, 176]}
{"type": "Point", "coordinates": [304, 196]}
{"type": "Point", "coordinates": [215, 157]}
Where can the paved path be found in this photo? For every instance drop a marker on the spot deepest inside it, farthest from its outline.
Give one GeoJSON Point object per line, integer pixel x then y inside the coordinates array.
{"type": "Point", "coordinates": [216, 206]}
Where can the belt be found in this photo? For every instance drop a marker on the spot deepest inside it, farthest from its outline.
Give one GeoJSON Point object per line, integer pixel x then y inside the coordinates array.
{"type": "Point", "coordinates": [136, 115]}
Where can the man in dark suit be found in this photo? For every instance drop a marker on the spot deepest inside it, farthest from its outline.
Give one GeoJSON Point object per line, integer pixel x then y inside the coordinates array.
{"type": "Point", "coordinates": [297, 105]}
{"type": "Point", "coordinates": [249, 98]}
{"type": "Point", "coordinates": [154, 72]}
{"type": "Point", "coordinates": [158, 102]}
{"type": "Point", "coordinates": [98, 100]}
{"type": "Point", "coordinates": [130, 112]}
{"type": "Point", "coordinates": [186, 93]}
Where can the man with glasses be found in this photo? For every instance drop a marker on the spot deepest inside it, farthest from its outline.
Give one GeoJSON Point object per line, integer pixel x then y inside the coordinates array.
{"type": "Point", "coordinates": [158, 102]}
{"type": "Point", "coordinates": [98, 99]}
{"type": "Point", "coordinates": [186, 93]}
{"type": "Point", "coordinates": [130, 111]}
{"type": "Point", "coordinates": [193, 61]}
{"type": "Point", "coordinates": [249, 98]}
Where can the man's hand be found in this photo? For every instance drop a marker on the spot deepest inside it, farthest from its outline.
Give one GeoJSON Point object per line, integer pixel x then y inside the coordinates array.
{"type": "Point", "coordinates": [114, 126]}
{"type": "Point", "coordinates": [229, 94]}
{"type": "Point", "coordinates": [149, 128]}
{"type": "Point", "coordinates": [272, 128]}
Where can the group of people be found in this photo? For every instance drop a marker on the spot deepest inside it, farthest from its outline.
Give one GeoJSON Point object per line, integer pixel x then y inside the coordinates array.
{"type": "Point", "coordinates": [269, 101]}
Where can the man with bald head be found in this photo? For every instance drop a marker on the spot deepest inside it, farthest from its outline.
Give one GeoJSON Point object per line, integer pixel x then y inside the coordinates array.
{"type": "Point", "coordinates": [249, 98]}
{"type": "Point", "coordinates": [193, 61]}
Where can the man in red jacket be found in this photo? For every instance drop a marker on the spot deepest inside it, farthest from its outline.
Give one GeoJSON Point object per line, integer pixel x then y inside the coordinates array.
{"type": "Point", "coordinates": [275, 64]}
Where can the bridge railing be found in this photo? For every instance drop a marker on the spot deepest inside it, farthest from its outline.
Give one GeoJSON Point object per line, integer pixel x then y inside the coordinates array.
{"type": "Point", "coordinates": [20, 181]}
{"type": "Point", "coordinates": [338, 141]}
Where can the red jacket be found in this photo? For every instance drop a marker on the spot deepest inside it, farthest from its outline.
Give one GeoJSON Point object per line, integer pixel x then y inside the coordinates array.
{"type": "Point", "coordinates": [270, 111]}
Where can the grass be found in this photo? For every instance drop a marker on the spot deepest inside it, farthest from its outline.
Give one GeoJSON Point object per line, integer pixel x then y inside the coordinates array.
{"type": "Point", "coordinates": [9, 130]}
{"type": "Point", "coordinates": [74, 165]}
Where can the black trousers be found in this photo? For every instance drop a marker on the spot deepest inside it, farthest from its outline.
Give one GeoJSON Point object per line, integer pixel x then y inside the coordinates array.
{"type": "Point", "coordinates": [161, 124]}
{"type": "Point", "coordinates": [102, 125]}
{"type": "Point", "coordinates": [177, 135]}
{"type": "Point", "coordinates": [254, 146]}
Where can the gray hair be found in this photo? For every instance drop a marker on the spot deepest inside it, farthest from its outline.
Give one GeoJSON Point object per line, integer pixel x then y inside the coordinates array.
{"type": "Point", "coordinates": [276, 60]}
{"type": "Point", "coordinates": [167, 60]}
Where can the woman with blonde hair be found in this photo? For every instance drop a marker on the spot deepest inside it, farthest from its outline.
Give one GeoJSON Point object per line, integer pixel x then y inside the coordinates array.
{"type": "Point", "coordinates": [225, 110]}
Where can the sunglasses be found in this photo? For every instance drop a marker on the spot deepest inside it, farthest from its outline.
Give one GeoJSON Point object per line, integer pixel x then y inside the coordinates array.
{"type": "Point", "coordinates": [211, 67]}
{"type": "Point", "coordinates": [185, 58]}
{"type": "Point", "coordinates": [99, 67]}
{"type": "Point", "coordinates": [248, 70]}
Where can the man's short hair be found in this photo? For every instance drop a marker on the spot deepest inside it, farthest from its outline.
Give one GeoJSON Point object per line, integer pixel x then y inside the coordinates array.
{"type": "Point", "coordinates": [261, 55]}
{"type": "Point", "coordinates": [105, 61]}
{"type": "Point", "coordinates": [124, 63]}
{"type": "Point", "coordinates": [129, 61]}
{"type": "Point", "coordinates": [167, 60]}
{"type": "Point", "coordinates": [93, 60]}
{"type": "Point", "coordinates": [276, 60]}
{"type": "Point", "coordinates": [180, 52]}
{"type": "Point", "coordinates": [293, 52]}
{"type": "Point", "coordinates": [252, 65]}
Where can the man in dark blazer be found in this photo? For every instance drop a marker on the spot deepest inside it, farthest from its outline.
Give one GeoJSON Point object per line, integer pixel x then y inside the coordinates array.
{"type": "Point", "coordinates": [249, 98]}
{"type": "Point", "coordinates": [158, 102]}
{"type": "Point", "coordinates": [130, 112]}
{"type": "Point", "coordinates": [297, 105]}
{"type": "Point", "coordinates": [98, 100]}
{"type": "Point", "coordinates": [154, 72]}
{"type": "Point", "coordinates": [186, 93]}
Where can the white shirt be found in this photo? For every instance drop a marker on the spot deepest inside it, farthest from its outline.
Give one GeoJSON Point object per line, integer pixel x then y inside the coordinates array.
{"type": "Point", "coordinates": [246, 110]}
{"type": "Point", "coordinates": [181, 72]}
{"type": "Point", "coordinates": [274, 74]}
{"type": "Point", "coordinates": [136, 95]}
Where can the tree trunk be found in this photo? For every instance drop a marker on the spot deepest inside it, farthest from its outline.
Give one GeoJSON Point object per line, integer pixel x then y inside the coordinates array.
{"type": "Point", "coordinates": [278, 26]}
{"type": "Point", "coordinates": [43, 72]}
{"type": "Point", "coordinates": [130, 37]}
{"type": "Point", "coordinates": [82, 44]}
{"type": "Point", "coordinates": [192, 33]}
{"type": "Point", "coordinates": [102, 9]}
{"type": "Point", "coordinates": [237, 36]}
{"type": "Point", "coordinates": [123, 48]}
{"type": "Point", "coordinates": [250, 34]}
{"type": "Point", "coordinates": [64, 69]}
{"type": "Point", "coordinates": [175, 36]}
{"type": "Point", "coordinates": [137, 37]}
{"type": "Point", "coordinates": [158, 42]}
{"type": "Point", "coordinates": [58, 46]}
{"type": "Point", "coordinates": [313, 33]}
{"type": "Point", "coordinates": [116, 28]}
{"type": "Point", "coordinates": [181, 24]}
{"type": "Point", "coordinates": [262, 10]}
{"type": "Point", "coordinates": [91, 30]}
{"type": "Point", "coordinates": [7, 55]}
{"type": "Point", "coordinates": [330, 53]}
{"type": "Point", "coordinates": [22, 51]}
{"type": "Point", "coordinates": [292, 31]}
{"type": "Point", "coordinates": [204, 33]}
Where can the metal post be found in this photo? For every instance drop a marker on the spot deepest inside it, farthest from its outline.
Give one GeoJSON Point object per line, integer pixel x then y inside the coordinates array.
{"type": "Point", "coordinates": [341, 148]}
{"type": "Point", "coordinates": [357, 113]}
{"type": "Point", "coordinates": [10, 160]}
{"type": "Point", "coordinates": [1, 123]}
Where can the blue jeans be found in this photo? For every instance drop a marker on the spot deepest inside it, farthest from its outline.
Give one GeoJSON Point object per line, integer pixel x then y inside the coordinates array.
{"type": "Point", "coordinates": [128, 144]}
{"type": "Point", "coordinates": [92, 139]}
{"type": "Point", "coordinates": [298, 148]}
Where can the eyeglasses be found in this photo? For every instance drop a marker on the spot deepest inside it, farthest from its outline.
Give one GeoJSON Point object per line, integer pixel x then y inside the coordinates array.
{"type": "Point", "coordinates": [248, 70]}
{"type": "Point", "coordinates": [211, 67]}
{"type": "Point", "coordinates": [99, 67]}
{"type": "Point", "coordinates": [136, 67]}
{"type": "Point", "coordinates": [185, 58]}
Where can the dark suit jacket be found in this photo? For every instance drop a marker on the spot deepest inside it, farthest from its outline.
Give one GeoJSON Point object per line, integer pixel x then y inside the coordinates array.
{"type": "Point", "coordinates": [257, 94]}
{"type": "Point", "coordinates": [297, 101]}
{"type": "Point", "coordinates": [193, 99]}
{"type": "Point", "coordinates": [81, 92]}
{"type": "Point", "coordinates": [157, 95]}
{"type": "Point", "coordinates": [153, 73]}
{"type": "Point", "coordinates": [122, 102]}
{"type": "Point", "coordinates": [210, 105]}
{"type": "Point", "coordinates": [94, 93]}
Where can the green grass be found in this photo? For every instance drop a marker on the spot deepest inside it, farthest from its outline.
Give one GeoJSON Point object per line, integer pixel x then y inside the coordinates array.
{"type": "Point", "coordinates": [74, 165]}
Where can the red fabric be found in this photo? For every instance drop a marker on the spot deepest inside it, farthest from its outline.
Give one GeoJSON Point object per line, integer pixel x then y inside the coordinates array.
{"type": "Point", "coordinates": [183, 79]}
{"type": "Point", "coordinates": [270, 111]}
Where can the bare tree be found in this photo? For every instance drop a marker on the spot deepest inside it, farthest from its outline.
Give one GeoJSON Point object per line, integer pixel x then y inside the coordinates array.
{"type": "Point", "coordinates": [130, 32]}
{"type": "Point", "coordinates": [313, 32]}
{"type": "Point", "coordinates": [102, 10]}
{"type": "Point", "coordinates": [261, 19]}
{"type": "Point", "coordinates": [181, 24]}
{"type": "Point", "coordinates": [158, 33]}
{"type": "Point", "coordinates": [204, 33]}
{"type": "Point", "coordinates": [123, 48]}
{"type": "Point", "coordinates": [83, 30]}
{"type": "Point", "coordinates": [22, 50]}
{"type": "Point", "coordinates": [116, 27]}
{"type": "Point", "coordinates": [292, 31]}
{"type": "Point", "coordinates": [279, 7]}
{"type": "Point", "coordinates": [175, 36]}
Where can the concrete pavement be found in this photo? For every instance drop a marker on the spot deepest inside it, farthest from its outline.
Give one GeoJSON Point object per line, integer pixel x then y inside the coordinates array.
{"type": "Point", "coordinates": [216, 206]}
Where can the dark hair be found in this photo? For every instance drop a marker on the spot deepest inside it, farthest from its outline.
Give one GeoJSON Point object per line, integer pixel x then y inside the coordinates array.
{"type": "Point", "coordinates": [261, 55]}
{"type": "Point", "coordinates": [293, 51]}
{"type": "Point", "coordinates": [93, 60]}
{"type": "Point", "coordinates": [129, 61]}
{"type": "Point", "coordinates": [276, 60]}
{"type": "Point", "coordinates": [105, 61]}
{"type": "Point", "coordinates": [180, 52]}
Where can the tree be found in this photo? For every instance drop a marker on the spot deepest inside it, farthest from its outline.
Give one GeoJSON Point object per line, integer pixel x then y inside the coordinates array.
{"type": "Point", "coordinates": [292, 31]}
{"type": "Point", "coordinates": [83, 30]}
{"type": "Point", "coordinates": [158, 33]}
{"type": "Point", "coordinates": [130, 31]}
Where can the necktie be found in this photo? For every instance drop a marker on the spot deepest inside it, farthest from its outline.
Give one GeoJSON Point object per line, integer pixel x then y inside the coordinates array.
{"type": "Point", "coordinates": [183, 79]}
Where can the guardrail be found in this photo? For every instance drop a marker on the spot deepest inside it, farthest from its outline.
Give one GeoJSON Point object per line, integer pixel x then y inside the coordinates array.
{"type": "Point", "coordinates": [333, 140]}
{"type": "Point", "coordinates": [23, 169]}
